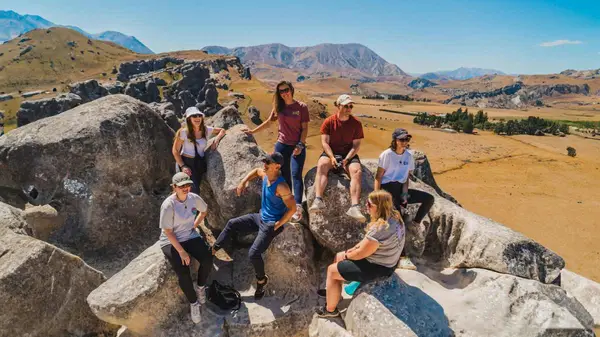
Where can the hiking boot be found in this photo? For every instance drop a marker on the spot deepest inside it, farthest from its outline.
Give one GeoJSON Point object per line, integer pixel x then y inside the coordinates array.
{"type": "Point", "coordinates": [261, 288]}
{"type": "Point", "coordinates": [354, 212]}
{"type": "Point", "coordinates": [201, 293]}
{"type": "Point", "coordinates": [323, 312]}
{"type": "Point", "coordinates": [298, 215]}
{"type": "Point", "coordinates": [406, 263]}
{"type": "Point", "coordinates": [195, 310]}
{"type": "Point", "coordinates": [317, 204]}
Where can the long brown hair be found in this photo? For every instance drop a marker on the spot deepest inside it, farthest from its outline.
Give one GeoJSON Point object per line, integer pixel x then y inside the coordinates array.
{"type": "Point", "coordinates": [385, 209]}
{"type": "Point", "coordinates": [189, 127]}
{"type": "Point", "coordinates": [278, 102]}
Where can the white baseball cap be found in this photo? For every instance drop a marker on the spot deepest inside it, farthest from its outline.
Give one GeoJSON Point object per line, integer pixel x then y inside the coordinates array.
{"type": "Point", "coordinates": [344, 99]}
{"type": "Point", "coordinates": [192, 111]}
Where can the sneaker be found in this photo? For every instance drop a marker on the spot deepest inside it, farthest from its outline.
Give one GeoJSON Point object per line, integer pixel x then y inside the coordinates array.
{"type": "Point", "coordinates": [195, 310]}
{"type": "Point", "coordinates": [201, 293]}
{"type": "Point", "coordinates": [354, 212]}
{"type": "Point", "coordinates": [298, 215]}
{"type": "Point", "coordinates": [406, 263]}
{"type": "Point", "coordinates": [323, 312]}
{"type": "Point", "coordinates": [317, 204]}
{"type": "Point", "coordinates": [261, 288]}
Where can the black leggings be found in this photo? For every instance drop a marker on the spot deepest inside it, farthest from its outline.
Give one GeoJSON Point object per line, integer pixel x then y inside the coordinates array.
{"type": "Point", "coordinates": [199, 250]}
{"type": "Point", "coordinates": [414, 197]}
{"type": "Point", "coordinates": [198, 167]}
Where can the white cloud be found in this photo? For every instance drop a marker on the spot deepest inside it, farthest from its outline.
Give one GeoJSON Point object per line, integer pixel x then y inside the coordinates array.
{"type": "Point", "coordinates": [559, 43]}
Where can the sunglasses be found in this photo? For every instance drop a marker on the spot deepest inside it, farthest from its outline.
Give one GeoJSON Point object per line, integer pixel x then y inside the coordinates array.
{"type": "Point", "coordinates": [349, 106]}
{"type": "Point", "coordinates": [196, 116]}
{"type": "Point", "coordinates": [284, 91]}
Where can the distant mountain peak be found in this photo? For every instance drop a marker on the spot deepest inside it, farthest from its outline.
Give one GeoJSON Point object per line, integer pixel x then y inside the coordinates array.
{"type": "Point", "coordinates": [462, 73]}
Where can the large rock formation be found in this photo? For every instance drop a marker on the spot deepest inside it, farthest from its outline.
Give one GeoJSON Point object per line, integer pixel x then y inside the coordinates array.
{"type": "Point", "coordinates": [31, 111]}
{"type": "Point", "coordinates": [105, 166]}
{"type": "Point", "coordinates": [254, 115]}
{"type": "Point", "coordinates": [145, 90]}
{"type": "Point", "coordinates": [129, 69]}
{"type": "Point", "coordinates": [43, 288]}
{"type": "Point", "coordinates": [89, 90]}
{"type": "Point", "coordinates": [465, 302]}
{"type": "Point", "coordinates": [331, 227]}
{"type": "Point", "coordinates": [167, 112]}
{"type": "Point", "coordinates": [586, 291]}
{"type": "Point", "coordinates": [327, 327]}
{"type": "Point", "coordinates": [226, 118]}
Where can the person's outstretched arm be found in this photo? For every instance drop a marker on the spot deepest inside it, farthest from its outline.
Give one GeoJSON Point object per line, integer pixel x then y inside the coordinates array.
{"type": "Point", "coordinates": [284, 192]}
{"type": "Point", "coordinates": [256, 173]}
{"type": "Point", "coordinates": [262, 126]}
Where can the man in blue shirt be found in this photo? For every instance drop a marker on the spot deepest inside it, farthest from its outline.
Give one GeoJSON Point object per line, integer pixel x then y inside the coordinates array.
{"type": "Point", "coordinates": [277, 208]}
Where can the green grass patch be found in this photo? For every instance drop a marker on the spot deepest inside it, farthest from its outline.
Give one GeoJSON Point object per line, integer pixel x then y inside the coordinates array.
{"type": "Point", "coordinates": [583, 124]}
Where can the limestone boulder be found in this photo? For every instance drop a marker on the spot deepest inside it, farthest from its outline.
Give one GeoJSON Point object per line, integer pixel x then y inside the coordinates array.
{"type": "Point", "coordinates": [43, 220]}
{"type": "Point", "coordinates": [254, 115]}
{"type": "Point", "coordinates": [12, 218]}
{"type": "Point", "coordinates": [88, 90]}
{"type": "Point", "coordinates": [226, 118]}
{"type": "Point", "coordinates": [105, 166]}
{"type": "Point", "coordinates": [31, 111]}
{"type": "Point", "coordinates": [236, 155]}
{"type": "Point", "coordinates": [43, 290]}
{"type": "Point", "coordinates": [144, 90]}
{"type": "Point", "coordinates": [129, 69]}
{"type": "Point", "coordinates": [115, 88]}
{"type": "Point", "coordinates": [586, 291]}
{"type": "Point", "coordinates": [327, 327]}
{"type": "Point", "coordinates": [167, 112]}
{"type": "Point", "coordinates": [332, 228]}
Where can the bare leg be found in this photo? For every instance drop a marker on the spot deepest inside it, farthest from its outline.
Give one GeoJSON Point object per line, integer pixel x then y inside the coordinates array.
{"type": "Point", "coordinates": [334, 287]}
{"type": "Point", "coordinates": [355, 178]}
{"type": "Point", "coordinates": [323, 167]}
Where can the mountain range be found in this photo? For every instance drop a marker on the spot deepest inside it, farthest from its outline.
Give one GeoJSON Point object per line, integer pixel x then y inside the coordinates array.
{"type": "Point", "coordinates": [346, 59]}
{"type": "Point", "coordinates": [13, 24]}
{"type": "Point", "coordinates": [461, 73]}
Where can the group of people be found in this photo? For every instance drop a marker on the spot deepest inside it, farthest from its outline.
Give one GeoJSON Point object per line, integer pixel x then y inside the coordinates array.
{"type": "Point", "coordinates": [378, 254]}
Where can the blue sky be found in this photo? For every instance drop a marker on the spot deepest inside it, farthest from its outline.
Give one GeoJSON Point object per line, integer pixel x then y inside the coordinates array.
{"type": "Point", "coordinates": [513, 36]}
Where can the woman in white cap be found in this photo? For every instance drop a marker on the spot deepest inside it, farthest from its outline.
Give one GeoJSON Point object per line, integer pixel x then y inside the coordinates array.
{"type": "Point", "coordinates": [292, 117]}
{"type": "Point", "coordinates": [190, 145]}
{"type": "Point", "coordinates": [180, 214]}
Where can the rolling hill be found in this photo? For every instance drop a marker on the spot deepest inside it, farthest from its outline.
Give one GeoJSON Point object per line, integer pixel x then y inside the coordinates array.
{"type": "Point", "coordinates": [352, 60]}
{"type": "Point", "coordinates": [461, 73]}
{"type": "Point", "coordinates": [13, 24]}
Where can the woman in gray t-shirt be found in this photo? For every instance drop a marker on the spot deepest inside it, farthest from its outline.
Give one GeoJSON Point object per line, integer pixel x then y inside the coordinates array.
{"type": "Point", "coordinates": [374, 256]}
{"type": "Point", "coordinates": [180, 214]}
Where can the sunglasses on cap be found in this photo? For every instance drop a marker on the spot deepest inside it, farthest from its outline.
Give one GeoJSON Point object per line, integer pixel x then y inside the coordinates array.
{"type": "Point", "coordinates": [284, 91]}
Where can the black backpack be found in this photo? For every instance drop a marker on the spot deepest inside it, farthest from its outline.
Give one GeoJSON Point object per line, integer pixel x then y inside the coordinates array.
{"type": "Point", "coordinates": [224, 296]}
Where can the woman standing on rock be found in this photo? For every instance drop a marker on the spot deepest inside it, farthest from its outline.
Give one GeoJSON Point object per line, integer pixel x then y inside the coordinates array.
{"type": "Point", "coordinates": [293, 119]}
{"type": "Point", "coordinates": [395, 165]}
{"type": "Point", "coordinates": [180, 214]}
{"type": "Point", "coordinates": [375, 256]}
{"type": "Point", "coordinates": [190, 145]}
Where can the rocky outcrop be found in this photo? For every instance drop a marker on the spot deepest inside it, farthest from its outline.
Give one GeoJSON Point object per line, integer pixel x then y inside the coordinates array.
{"type": "Point", "coordinates": [236, 155]}
{"type": "Point", "coordinates": [421, 83]}
{"type": "Point", "coordinates": [115, 88]}
{"type": "Point", "coordinates": [254, 115]}
{"type": "Point", "coordinates": [226, 118]}
{"type": "Point", "coordinates": [91, 164]}
{"type": "Point", "coordinates": [88, 90]}
{"type": "Point", "coordinates": [586, 291]}
{"type": "Point", "coordinates": [332, 228]}
{"type": "Point", "coordinates": [434, 302]}
{"type": "Point", "coordinates": [43, 220]}
{"type": "Point", "coordinates": [167, 112]}
{"type": "Point", "coordinates": [12, 218]}
{"type": "Point", "coordinates": [43, 288]}
{"type": "Point", "coordinates": [31, 111]}
{"type": "Point", "coordinates": [146, 91]}
{"type": "Point", "coordinates": [327, 327]}
{"type": "Point", "coordinates": [128, 69]}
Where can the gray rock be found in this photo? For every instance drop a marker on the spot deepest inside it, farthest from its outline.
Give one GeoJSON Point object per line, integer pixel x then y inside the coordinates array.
{"type": "Point", "coordinates": [160, 82]}
{"type": "Point", "coordinates": [238, 95]}
{"type": "Point", "coordinates": [254, 115]}
{"type": "Point", "coordinates": [167, 112]}
{"type": "Point", "coordinates": [145, 90]}
{"type": "Point", "coordinates": [31, 111]}
{"type": "Point", "coordinates": [43, 290]}
{"type": "Point", "coordinates": [185, 100]}
{"type": "Point", "coordinates": [5, 98]}
{"type": "Point", "coordinates": [90, 163]}
{"type": "Point", "coordinates": [226, 118]}
{"type": "Point", "coordinates": [332, 228]}
{"type": "Point", "coordinates": [89, 90]}
{"type": "Point", "coordinates": [236, 155]}
{"type": "Point", "coordinates": [586, 291]}
{"type": "Point", "coordinates": [327, 327]}
{"type": "Point", "coordinates": [43, 220]}
{"type": "Point", "coordinates": [12, 218]}
{"type": "Point", "coordinates": [25, 50]}
{"type": "Point", "coordinates": [129, 69]}
{"type": "Point", "coordinates": [194, 76]}
{"type": "Point", "coordinates": [115, 88]}
{"type": "Point", "coordinates": [246, 75]}
{"type": "Point", "coordinates": [31, 93]}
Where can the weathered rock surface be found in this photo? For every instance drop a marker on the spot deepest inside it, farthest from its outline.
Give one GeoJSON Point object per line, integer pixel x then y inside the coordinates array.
{"type": "Point", "coordinates": [236, 155]}
{"type": "Point", "coordinates": [115, 88]}
{"type": "Point", "coordinates": [12, 218]}
{"type": "Point", "coordinates": [226, 118]}
{"type": "Point", "coordinates": [586, 291]}
{"type": "Point", "coordinates": [331, 227]}
{"type": "Point", "coordinates": [43, 290]}
{"type": "Point", "coordinates": [146, 91]}
{"type": "Point", "coordinates": [43, 220]}
{"type": "Point", "coordinates": [105, 166]}
{"type": "Point", "coordinates": [254, 115]}
{"type": "Point", "coordinates": [89, 90]}
{"type": "Point", "coordinates": [167, 112]}
{"type": "Point", "coordinates": [31, 111]}
{"type": "Point", "coordinates": [327, 327]}
{"type": "Point", "coordinates": [129, 69]}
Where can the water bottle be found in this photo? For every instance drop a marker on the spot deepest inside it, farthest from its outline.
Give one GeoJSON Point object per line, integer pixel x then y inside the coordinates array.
{"type": "Point", "coordinates": [351, 287]}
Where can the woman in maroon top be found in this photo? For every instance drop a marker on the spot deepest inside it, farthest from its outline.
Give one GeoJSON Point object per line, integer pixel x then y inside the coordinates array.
{"type": "Point", "coordinates": [293, 118]}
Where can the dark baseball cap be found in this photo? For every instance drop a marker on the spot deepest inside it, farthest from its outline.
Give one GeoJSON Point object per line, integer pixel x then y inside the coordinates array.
{"type": "Point", "coordinates": [400, 133]}
{"type": "Point", "coordinates": [273, 158]}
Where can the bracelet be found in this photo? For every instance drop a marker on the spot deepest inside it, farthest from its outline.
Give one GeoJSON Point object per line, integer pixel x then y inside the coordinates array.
{"type": "Point", "coordinates": [301, 146]}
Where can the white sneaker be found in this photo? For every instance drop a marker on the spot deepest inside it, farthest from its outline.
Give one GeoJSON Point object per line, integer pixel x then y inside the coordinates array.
{"type": "Point", "coordinates": [195, 310]}
{"type": "Point", "coordinates": [317, 204]}
{"type": "Point", "coordinates": [298, 215]}
{"type": "Point", "coordinates": [354, 211]}
{"type": "Point", "coordinates": [406, 263]}
{"type": "Point", "coordinates": [201, 293]}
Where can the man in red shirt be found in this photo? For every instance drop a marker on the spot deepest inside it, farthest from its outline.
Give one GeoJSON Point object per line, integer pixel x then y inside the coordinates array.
{"type": "Point", "coordinates": [341, 135]}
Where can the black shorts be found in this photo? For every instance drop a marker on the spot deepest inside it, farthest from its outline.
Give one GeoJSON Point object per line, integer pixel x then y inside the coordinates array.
{"type": "Point", "coordinates": [354, 159]}
{"type": "Point", "coordinates": [363, 270]}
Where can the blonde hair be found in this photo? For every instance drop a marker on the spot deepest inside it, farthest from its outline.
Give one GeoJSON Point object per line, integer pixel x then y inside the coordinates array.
{"type": "Point", "coordinates": [385, 209]}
